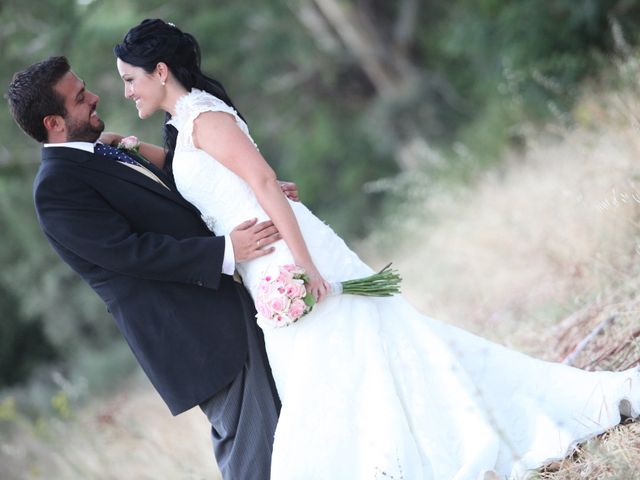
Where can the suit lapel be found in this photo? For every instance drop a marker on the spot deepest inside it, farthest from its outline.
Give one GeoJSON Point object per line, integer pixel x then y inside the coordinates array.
{"type": "Point", "coordinates": [161, 174]}
{"type": "Point", "coordinates": [111, 167]}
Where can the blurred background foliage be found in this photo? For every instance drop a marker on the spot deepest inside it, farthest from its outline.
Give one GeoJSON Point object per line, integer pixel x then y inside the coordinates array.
{"type": "Point", "coordinates": [352, 99]}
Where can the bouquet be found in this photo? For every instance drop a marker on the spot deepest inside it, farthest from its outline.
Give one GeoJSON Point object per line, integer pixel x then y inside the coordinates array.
{"type": "Point", "coordinates": [283, 298]}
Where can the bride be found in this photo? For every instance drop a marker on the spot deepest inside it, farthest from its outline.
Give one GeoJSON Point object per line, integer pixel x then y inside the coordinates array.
{"type": "Point", "coordinates": [370, 387]}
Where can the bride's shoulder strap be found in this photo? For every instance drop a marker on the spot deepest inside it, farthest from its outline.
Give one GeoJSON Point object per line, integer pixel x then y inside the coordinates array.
{"type": "Point", "coordinates": [200, 102]}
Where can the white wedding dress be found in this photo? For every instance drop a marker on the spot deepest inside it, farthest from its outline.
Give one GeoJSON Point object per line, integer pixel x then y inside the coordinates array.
{"type": "Point", "coordinates": [372, 389]}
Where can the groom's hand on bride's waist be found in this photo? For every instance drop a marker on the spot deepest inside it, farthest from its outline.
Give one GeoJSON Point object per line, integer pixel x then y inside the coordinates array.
{"type": "Point", "coordinates": [251, 239]}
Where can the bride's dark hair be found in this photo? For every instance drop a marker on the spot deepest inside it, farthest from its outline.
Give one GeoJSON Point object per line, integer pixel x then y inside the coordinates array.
{"type": "Point", "coordinates": [154, 41]}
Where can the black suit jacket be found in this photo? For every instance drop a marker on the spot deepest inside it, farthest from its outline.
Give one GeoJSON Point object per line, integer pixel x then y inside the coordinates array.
{"type": "Point", "coordinates": [149, 256]}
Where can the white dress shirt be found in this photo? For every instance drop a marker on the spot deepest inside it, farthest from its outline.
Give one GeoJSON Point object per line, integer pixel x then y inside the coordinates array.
{"type": "Point", "coordinates": [228, 261]}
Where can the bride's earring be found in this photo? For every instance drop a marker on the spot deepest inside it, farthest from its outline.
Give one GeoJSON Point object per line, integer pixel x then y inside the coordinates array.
{"type": "Point", "coordinates": [163, 82]}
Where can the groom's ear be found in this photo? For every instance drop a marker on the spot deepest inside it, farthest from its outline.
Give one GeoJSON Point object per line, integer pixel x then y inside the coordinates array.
{"type": "Point", "coordinates": [54, 124]}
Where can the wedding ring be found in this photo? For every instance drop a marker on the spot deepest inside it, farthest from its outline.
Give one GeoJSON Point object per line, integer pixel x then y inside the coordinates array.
{"type": "Point", "coordinates": [258, 243]}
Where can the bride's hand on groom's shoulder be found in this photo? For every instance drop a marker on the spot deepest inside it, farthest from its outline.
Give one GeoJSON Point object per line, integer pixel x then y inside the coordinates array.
{"type": "Point", "coordinates": [251, 239]}
{"type": "Point", "coordinates": [110, 138]}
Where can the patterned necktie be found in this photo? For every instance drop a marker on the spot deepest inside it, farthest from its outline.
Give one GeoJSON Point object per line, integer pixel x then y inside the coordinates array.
{"type": "Point", "coordinates": [115, 153]}
{"type": "Point", "coordinates": [122, 156]}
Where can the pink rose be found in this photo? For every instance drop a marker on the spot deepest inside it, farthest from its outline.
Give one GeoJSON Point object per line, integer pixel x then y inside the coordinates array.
{"type": "Point", "coordinates": [296, 290]}
{"type": "Point", "coordinates": [278, 304]}
{"type": "Point", "coordinates": [285, 277]}
{"type": "Point", "coordinates": [287, 272]}
{"type": "Point", "coordinates": [129, 143]}
{"type": "Point", "coordinates": [295, 270]}
{"type": "Point", "coordinates": [263, 308]}
{"type": "Point", "coordinates": [297, 309]}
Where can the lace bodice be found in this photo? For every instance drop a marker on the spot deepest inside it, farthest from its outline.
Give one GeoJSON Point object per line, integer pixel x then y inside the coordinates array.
{"type": "Point", "coordinates": [225, 200]}
{"type": "Point", "coordinates": [201, 178]}
{"type": "Point", "coordinates": [189, 106]}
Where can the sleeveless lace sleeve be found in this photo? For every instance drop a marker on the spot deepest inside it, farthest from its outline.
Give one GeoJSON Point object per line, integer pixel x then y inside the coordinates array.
{"type": "Point", "coordinates": [189, 107]}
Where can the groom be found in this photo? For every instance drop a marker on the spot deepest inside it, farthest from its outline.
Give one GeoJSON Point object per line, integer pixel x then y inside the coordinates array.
{"type": "Point", "coordinates": [165, 278]}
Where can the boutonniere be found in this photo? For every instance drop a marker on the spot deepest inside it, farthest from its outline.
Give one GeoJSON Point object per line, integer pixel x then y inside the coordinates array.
{"type": "Point", "coordinates": [130, 144]}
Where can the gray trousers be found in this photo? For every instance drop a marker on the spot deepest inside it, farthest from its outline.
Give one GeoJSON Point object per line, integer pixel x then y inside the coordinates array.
{"type": "Point", "coordinates": [244, 414]}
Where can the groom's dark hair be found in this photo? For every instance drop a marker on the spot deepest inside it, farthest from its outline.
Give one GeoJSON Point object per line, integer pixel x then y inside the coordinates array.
{"type": "Point", "coordinates": [31, 95]}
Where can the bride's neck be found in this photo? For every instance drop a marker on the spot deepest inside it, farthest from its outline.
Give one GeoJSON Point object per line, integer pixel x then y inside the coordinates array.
{"type": "Point", "coordinates": [174, 92]}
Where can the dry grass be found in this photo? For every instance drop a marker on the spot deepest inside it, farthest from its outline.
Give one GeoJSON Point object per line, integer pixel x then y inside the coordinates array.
{"type": "Point", "coordinates": [614, 455]}
{"type": "Point", "coordinates": [531, 242]}
{"type": "Point", "coordinates": [127, 436]}
{"type": "Point", "coordinates": [543, 255]}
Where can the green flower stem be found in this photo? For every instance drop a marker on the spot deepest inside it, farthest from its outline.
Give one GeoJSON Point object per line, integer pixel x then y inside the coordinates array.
{"type": "Point", "coordinates": [385, 283]}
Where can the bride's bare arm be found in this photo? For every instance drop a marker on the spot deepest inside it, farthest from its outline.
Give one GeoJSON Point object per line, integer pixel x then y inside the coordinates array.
{"type": "Point", "coordinates": [154, 154]}
{"type": "Point", "coordinates": [218, 134]}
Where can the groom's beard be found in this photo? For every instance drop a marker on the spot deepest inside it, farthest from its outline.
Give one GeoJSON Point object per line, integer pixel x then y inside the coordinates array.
{"type": "Point", "coordinates": [83, 131]}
